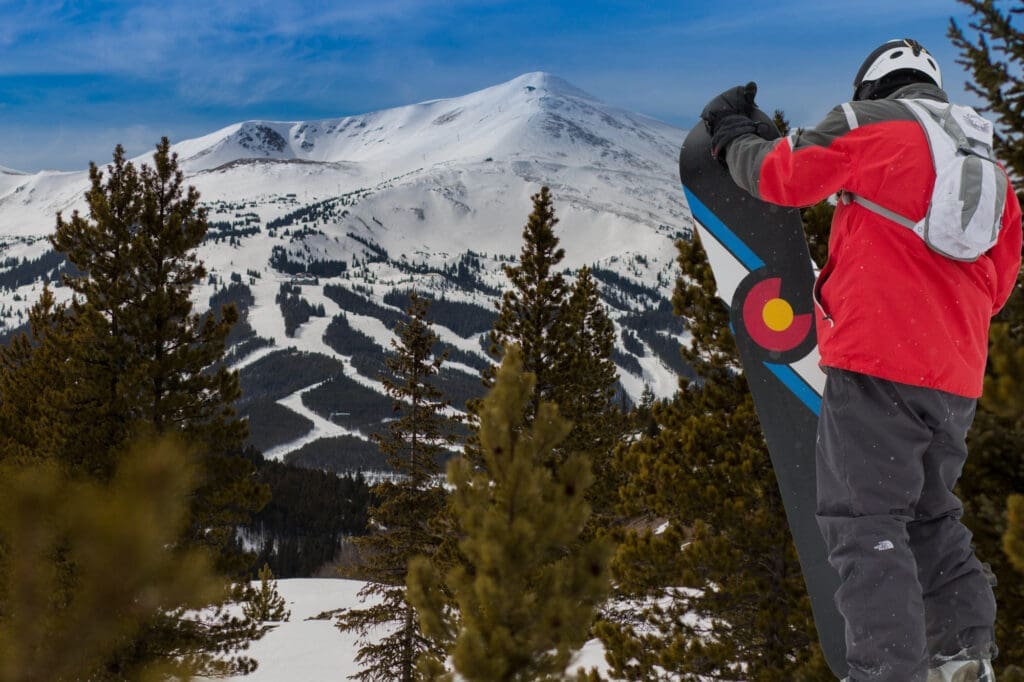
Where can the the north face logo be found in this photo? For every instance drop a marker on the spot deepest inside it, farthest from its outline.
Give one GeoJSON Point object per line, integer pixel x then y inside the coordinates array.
{"type": "Point", "coordinates": [976, 122]}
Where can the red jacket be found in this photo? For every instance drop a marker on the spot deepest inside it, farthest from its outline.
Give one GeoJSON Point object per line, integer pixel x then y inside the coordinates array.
{"type": "Point", "coordinates": [889, 306]}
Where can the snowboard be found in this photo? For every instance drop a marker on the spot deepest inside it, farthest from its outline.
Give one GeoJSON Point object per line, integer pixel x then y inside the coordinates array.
{"type": "Point", "coordinates": [764, 274]}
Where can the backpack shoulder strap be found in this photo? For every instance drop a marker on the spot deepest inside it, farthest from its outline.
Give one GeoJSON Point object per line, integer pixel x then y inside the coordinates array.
{"type": "Point", "coordinates": [880, 210]}
{"type": "Point", "coordinates": [970, 132]}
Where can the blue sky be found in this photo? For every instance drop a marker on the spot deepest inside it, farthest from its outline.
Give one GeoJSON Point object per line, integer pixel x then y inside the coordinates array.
{"type": "Point", "coordinates": [76, 78]}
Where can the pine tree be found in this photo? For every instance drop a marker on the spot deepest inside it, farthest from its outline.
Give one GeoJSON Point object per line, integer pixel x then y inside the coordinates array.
{"type": "Point", "coordinates": [583, 386]}
{"type": "Point", "coordinates": [991, 489]}
{"type": "Point", "coordinates": [994, 473]}
{"type": "Point", "coordinates": [146, 355]}
{"type": "Point", "coordinates": [528, 593]}
{"type": "Point", "coordinates": [995, 61]}
{"type": "Point", "coordinates": [128, 358]}
{"type": "Point", "coordinates": [1013, 541]}
{"type": "Point", "coordinates": [528, 313]}
{"type": "Point", "coordinates": [567, 340]}
{"type": "Point", "coordinates": [408, 510]}
{"type": "Point", "coordinates": [584, 376]}
{"type": "Point", "coordinates": [1004, 397]}
{"type": "Point", "coordinates": [1005, 400]}
{"type": "Point", "coordinates": [643, 423]}
{"type": "Point", "coordinates": [265, 603]}
{"type": "Point", "coordinates": [117, 535]}
{"type": "Point", "coordinates": [727, 595]}
{"type": "Point", "coordinates": [31, 385]}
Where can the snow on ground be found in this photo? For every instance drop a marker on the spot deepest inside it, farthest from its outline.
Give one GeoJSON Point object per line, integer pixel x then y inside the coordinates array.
{"type": "Point", "coordinates": [322, 428]}
{"type": "Point", "coordinates": [662, 380]}
{"type": "Point", "coordinates": [305, 650]}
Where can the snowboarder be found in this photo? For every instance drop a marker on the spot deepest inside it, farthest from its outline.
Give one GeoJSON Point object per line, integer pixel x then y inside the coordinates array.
{"type": "Point", "coordinates": [902, 325]}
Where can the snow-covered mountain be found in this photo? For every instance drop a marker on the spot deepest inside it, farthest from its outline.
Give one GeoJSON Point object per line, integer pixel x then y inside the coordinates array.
{"type": "Point", "coordinates": [533, 115]}
{"type": "Point", "coordinates": [347, 214]}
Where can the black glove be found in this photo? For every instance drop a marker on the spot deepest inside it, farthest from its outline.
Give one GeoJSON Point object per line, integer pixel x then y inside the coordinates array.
{"type": "Point", "coordinates": [738, 100]}
{"type": "Point", "coordinates": [728, 129]}
{"type": "Point", "coordinates": [728, 116]}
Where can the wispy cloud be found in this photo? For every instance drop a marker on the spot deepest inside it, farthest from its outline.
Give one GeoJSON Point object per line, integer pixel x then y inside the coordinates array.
{"type": "Point", "coordinates": [138, 37]}
{"type": "Point", "coordinates": [190, 67]}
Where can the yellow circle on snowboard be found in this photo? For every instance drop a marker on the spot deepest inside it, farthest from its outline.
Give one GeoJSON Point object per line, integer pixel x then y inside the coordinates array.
{"type": "Point", "coordinates": [777, 314]}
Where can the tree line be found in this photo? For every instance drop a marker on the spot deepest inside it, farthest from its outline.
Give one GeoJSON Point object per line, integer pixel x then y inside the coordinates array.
{"type": "Point", "coordinates": [558, 516]}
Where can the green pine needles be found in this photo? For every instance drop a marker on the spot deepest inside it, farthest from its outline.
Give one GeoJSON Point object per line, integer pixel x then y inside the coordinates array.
{"type": "Point", "coordinates": [1013, 541]}
{"type": "Point", "coordinates": [712, 565]}
{"type": "Point", "coordinates": [566, 339]}
{"type": "Point", "coordinates": [127, 359]}
{"type": "Point", "coordinates": [264, 603]}
{"type": "Point", "coordinates": [120, 536]}
{"type": "Point", "coordinates": [408, 515]}
{"type": "Point", "coordinates": [995, 61]}
{"type": "Point", "coordinates": [529, 309]}
{"type": "Point", "coordinates": [525, 596]}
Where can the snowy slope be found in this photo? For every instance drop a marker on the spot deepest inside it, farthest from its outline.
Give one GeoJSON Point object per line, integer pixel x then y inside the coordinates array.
{"type": "Point", "coordinates": [433, 196]}
{"type": "Point", "coordinates": [306, 649]}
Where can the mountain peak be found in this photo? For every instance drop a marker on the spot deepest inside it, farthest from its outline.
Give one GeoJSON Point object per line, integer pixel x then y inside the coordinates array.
{"type": "Point", "coordinates": [544, 83]}
{"type": "Point", "coordinates": [535, 114]}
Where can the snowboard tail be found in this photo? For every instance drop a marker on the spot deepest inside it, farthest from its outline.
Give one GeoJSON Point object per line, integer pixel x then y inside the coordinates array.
{"type": "Point", "coordinates": [763, 272]}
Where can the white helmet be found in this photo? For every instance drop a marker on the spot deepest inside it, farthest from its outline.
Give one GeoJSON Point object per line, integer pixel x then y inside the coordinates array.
{"type": "Point", "coordinates": [896, 55]}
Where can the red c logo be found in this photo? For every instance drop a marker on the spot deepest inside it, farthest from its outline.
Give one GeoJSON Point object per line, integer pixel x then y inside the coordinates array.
{"type": "Point", "coordinates": [769, 319]}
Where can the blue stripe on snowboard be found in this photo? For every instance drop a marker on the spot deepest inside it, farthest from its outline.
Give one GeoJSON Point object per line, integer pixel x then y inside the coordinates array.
{"type": "Point", "coordinates": [797, 386]}
{"type": "Point", "coordinates": [723, 234]}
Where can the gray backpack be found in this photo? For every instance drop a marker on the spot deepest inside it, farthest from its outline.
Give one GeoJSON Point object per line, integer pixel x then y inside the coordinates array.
{"type": "Point", "coordinates": [966, 208]}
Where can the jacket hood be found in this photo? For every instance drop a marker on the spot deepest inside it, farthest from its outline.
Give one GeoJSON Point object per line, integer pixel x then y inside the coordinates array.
{"type": "Point", "coordinates": [920, 91]}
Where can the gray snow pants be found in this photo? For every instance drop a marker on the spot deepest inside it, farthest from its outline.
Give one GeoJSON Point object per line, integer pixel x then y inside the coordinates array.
{"type": "Point", "coordinates": [888, 456]}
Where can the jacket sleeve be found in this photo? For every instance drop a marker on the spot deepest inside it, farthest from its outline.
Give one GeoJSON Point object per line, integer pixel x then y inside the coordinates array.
{"type": "Point", "coordinates": [800, 169]}
{"type": "Point", "coordinates": [1006, 253]}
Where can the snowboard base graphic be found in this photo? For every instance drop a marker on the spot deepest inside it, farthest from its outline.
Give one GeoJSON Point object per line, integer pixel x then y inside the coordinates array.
{"type": "Point", "coordinates": [763, 272]}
